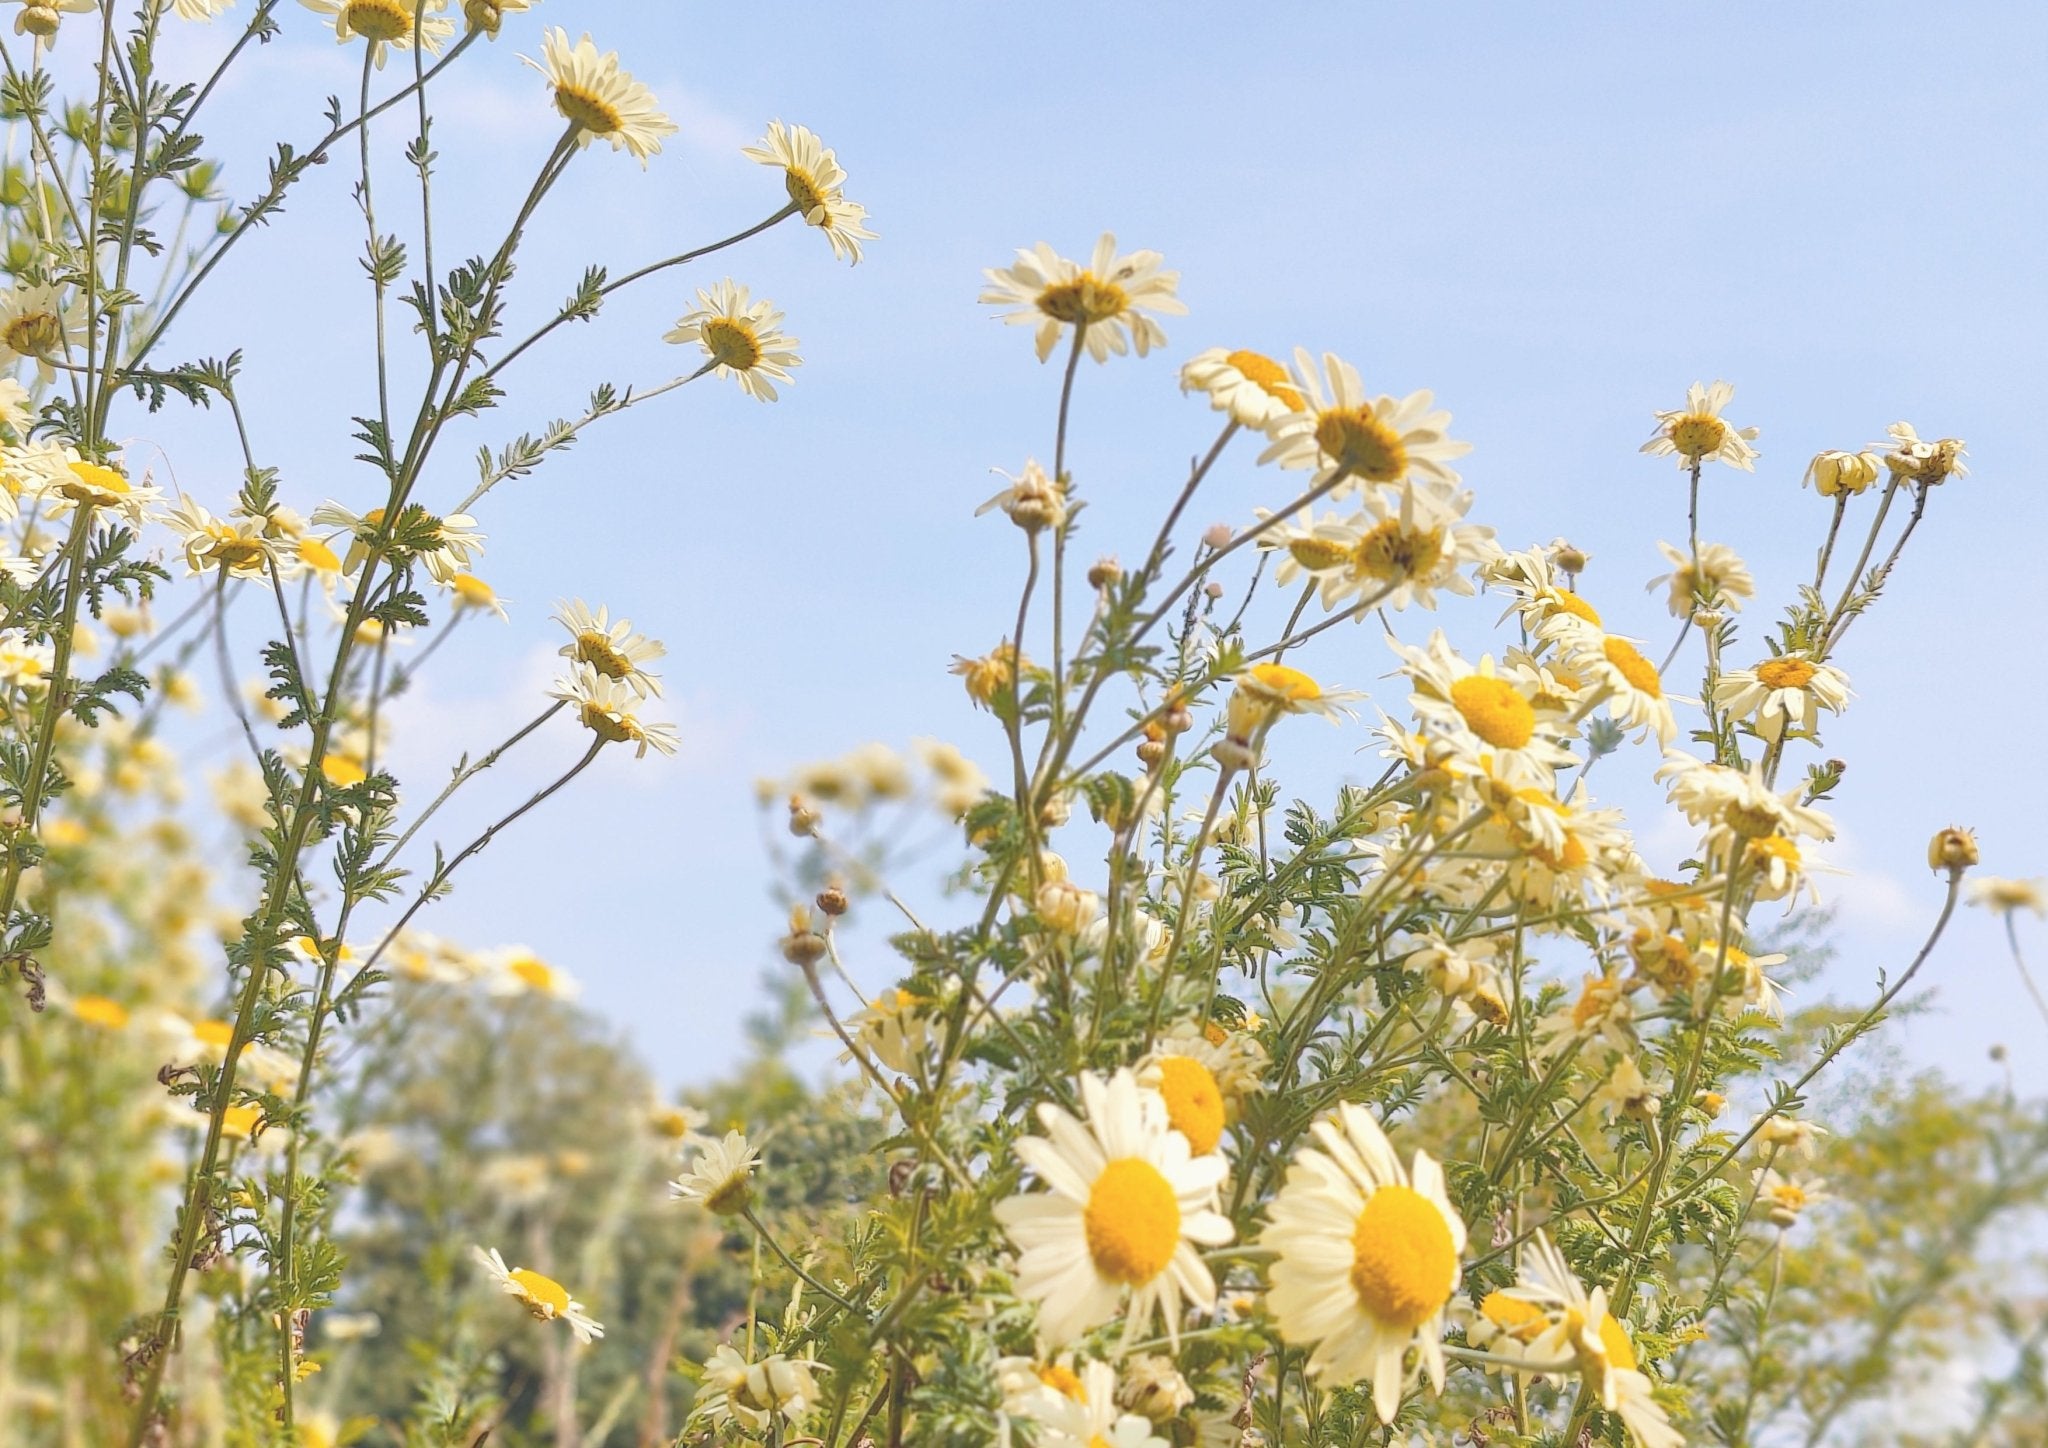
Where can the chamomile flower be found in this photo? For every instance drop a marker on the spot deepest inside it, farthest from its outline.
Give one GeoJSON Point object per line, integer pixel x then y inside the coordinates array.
{"type": "Point", "coordinates": [895, 1028]}
{"type": "Point", "coordinates": [1578, 1327]}
{"type": "Point", "coordinates": [1994, 892]}
{"type": "Point", "coordinates": [1737, 802]}
{"type": "Point", "coordinates": [1189, 1073]}
{"type": "Point", "coordinates": [812, 176]}
{"type": "Point", "coordinates": [75, 483]}
{"type": "Point", "coordinates": [230, 545]}
{"type": "Point", "coordinates": [599, 98]}
{"type": "Point", "coordinates": [1783, 692]}
{"type": "Point", "coordinates": [1835, 473]}
{"type": "Point", "coordinates": [473, 595]}
{"type": "Point", "coordinates": [751, 1394]}
{"type": "Point", "coordinates": [489, 15]}
{"type": "Point", "coordinates": [1367, 1258]}
{"type": "Point", "coordinates": [609, 647]}
{"type": "Point", "coordinates": [1125, 1210]}
{"type": "Point", "coordinates": [1784, 1197]}
{"type": "Point", "coordinates": [543, 1297]}
{"type": "Point", "coordinates": [1630, 683]}
{"type": "Point", "coordinates": [35, 323]}
{"type": "Point", "coordinates": [444, 546]}
{"type": "Point", "coordinates": [40, 18]}
{"type": "Point", "coordinates": [1718, 578]}
{"type": "Point", "coordinates": [1089, 1416]}
{"type": "Point", "coordinates": [1033, 501]}
{"type": "Point", "coordinates": [609, 709]}
{"type": "Point", "coordinates": [720, 1177]}
{"type": "Point", "coordinates": [1927, 461]}
{"type": "Point", "coordinates": [1602, 1012]}
{"type": "Point", "coordinates": [1484, 713]}
{"type": "Point", "coordinates": [24, 665]}
{"type": "Point", "coordinates": [1108, 299]}
{"type": "Point", "coordinates": [1411, 541]}
{"type": "Point", "coordinates": [515, 970]}
{"type": "Point", "coordinates": [1698, 433]}
{"type": "Point", "coordinates": [1250, 386]}
{"type": "Point", "coordinates": [386, 23]}
{"type": "Point", "coordinates": [742, 338]}
{"type": "Point", "coordinates": [1366, 439]}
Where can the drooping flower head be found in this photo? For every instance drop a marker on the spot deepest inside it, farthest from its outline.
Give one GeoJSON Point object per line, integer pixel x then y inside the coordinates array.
{"type": "Point", "coordinates": [814, 180]}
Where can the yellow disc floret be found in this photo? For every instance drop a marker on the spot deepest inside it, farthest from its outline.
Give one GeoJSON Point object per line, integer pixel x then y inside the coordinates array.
{"type": "Point", "coordinates": [1269, 377]}
{"type": "Point", "coordinates": [1357, 440]}
{"type": "Point", "coordinates": [1194, 1104]}
{"type": "Point", "coordinates": [1495, 710]}
{"type": "Point", "coordinates": [1640, 673]}
{"type": "Point", "coordinates": [1784, 673]}
{"type": "Point", "coordinates": [1132, 1220]}
{"type": "Point", "coordinates": [1403, 1261]}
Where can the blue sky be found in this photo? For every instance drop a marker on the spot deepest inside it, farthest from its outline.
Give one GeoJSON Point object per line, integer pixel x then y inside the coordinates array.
{"type": "Point", "coordinates": [1556, 217]}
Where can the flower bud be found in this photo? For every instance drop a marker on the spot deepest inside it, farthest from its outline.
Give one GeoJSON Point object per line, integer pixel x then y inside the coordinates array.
{"type": "Point", "coordinates": [1217, 535]}
{"type": "Point", "coordinates": [1569, 559]}
{"type": "Point", "coordinates": [1151, 751]}
{"type": "Point", "coordinates": [803, 946]}
{"type": "Point", "coordinates": [803, 820]}
{"type": "Point", "coordinates": [1833, 473]}
{"type": "Point", "coordinates": [832, 900]}
{"type": "Point", "coordinates": [1212, 591]}
{"type": "Point", "coordinates": [1106, 573]}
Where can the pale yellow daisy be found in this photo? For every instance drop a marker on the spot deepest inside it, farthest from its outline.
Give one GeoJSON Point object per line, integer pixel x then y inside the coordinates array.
{"type": "Point", "coordinates": [720, 1177]}
{"type": "Point", "coordinates": [742, 338]}
{"type": "Point", "coordinates": [814, 180]}
{"type": "Point", "coordinates": [1783, 692]}
{"type": "Point", "coordinates": [1697, 432]}
{"type": "Point", "coordinates": [543, 1297]}
{"type": "Point", "coordinates": [599, 98]}
{"type": "Point", "coordinates": [1126, 1208]}
{"type": "Point", "coordinates": [386, 23]}
{"type": "Point", "coordinates": [1718, 578]}
{"type": "Point", "coordinates": [1836, 472]}
{"type": "Point", "coordinates": [1369, 439]}
{"type": "Point", "coordinates": [1250, 386]}
{"type": "Point", "coordinates": [1108, 298]}
{"type": "Point", "coordinates": [1367, 1258]}
{"type": "Point", "coordinates": [610, 647]}
{"type": "Point", "coordinates": [1922, 460]}
{"type": "Point", "coordinates": [610, 710]}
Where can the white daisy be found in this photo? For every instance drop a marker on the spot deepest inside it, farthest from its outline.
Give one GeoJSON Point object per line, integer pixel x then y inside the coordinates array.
{"type": "Point", "coordinates": [1783, 692]}
{"type": "Point", "coordinates": [1126, 1207]}
{"type": "Point", "coordinates": [1922, 460]}
{"type": "Point", "coordinates": [1717, 579]}
{"type": "Point", "coordinates": [813, 178]}
{"type": "Point", "coordinates": [598, 97]}
{"type": "Point", "coordinates": [1372, 440]}
{"type": "Point", "coordinates": [1485, 713]}
{"type": "Point", "coordinates": [1697, 432]}
{"type": "Point", "coordinates": [1367, 1258]}
{"type": "Point", "coordinates": [751, 1394]}
{"type": "Point", "coordinates": [1108, 298]}
{"type": "Point", "coordinates": [609, 709]}
{"type": "Point", "coordinates": [1089, 1416]}
{"type": "Point", "coordinates": [1630, 683]}
{"type": "Point", "coordinates": [385, 23]}
{"type": "Point", "coordinates": [720, 1176]}
{"type": "Point", "coordinates": [1251, 387]}
{"type": "Point", "coordinates": [543, 1297]}
{"type": "Point", "coordinates": [610, 648]}
{"type": "Point", "coordinates": [742, 338]}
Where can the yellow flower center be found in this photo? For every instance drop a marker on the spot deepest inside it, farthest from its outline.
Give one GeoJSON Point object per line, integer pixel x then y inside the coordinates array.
{"type": "Point", "coordinates": [239, 1123]}
{"type": "Point", "coordinates": [544, 1297]}
{"type": "Point", "coordinates": [1640, 673]}
{"type": "Point", "coordinates": [318, 556]}
{"type": "Point", "coordinates": [1565, 601]}
{"type": "Point", "coordinates": [803, 191]}
{"type": "Point", "coordinates": [1766, 848]}
{"type": "Point", "coordinates": [606, 725]}
{"type": "Point", "coordinates": [1316, 554]}
{"type": "Point", "coordinates": [1518, 1319]}
{"type": "Point", "coordinates": [1064, 1381]}
{"type": "Point", "coordinates": [1277, 681]}
{"type": "Point", "coordinates": [1356, 439]}
{"type": "Point", "coordinates": [1784, 673]}
{"type": "Point", "coordinates": [1697, 434]}
{"type": "Point", "coordinates": [1132, 1221]}
{"type": "Point", "coordinates": [342, 770]}
{"type": "Point", "coordinates": [1214, 1034]}
{"type": "Point", "coordinates": [474, 591]}
{"type": "Point", "coordinates": [1594, 1002]}
{"type": "Point", "coordinates": [595, 649]}
{"type": "Point", "coordinates": [214, 1033]}
{"type": "Point", "coordinates": [1572, 856]}
{"type": "Point", "coordinates": [1403, 1261]}
{"type": "Point", "coordinates": [379, 19]}
{"type": "Point", "coordinates": [587, 110]}
{"type": "Point", "coordinates": [1269, 377]}
{"type": "Point", "coordinates": [34, 334]}
{"type": "Point", "coordinates": [1087, 298]}
{"type": "Point", "coordinates": [1620, 1351]}
{"type": "Point", "coordinates": [95, 484]}
{"type": "Point", "coordinates": [1392, 554]}
{"type": "Point", "coordinates": [1495, 710]}
{"type": "Point", "coordinates": [535, 973]}
{"type": "Point", "coordinates": [732, 343]}
{"type": "Point", "coordinates": [1194, 1105]}
{"type": "Point", "coordinates": [99, 1011]}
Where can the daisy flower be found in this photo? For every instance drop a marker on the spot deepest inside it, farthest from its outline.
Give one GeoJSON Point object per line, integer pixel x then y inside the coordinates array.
{"type": "Point", "coordinates": [1251, 387]}
{"type": "Point", "coordinates": [1630, 683]}
{"type": "Point", "coordinates": [1032, 501]}
{"type": "Point", "coordinates": [610, 648]}
{"type": "Point", "coordinates": [473, 595]}
{"type": "Point", "coordinates": [1718, 578]}
{"type": "Point", "coordinates": [444, 546]}
{"type": "Point", "coordinates": [1579, 1328]}
{"type": "Point", "coordinates": [1483, 712]}
{"type": "Point", "coordinates": [385, 23]}
{"type": "Point", "coordinates": [894, 1028]}
{"type": "Point", "coordinates": [515, 970]}
{"type": "Point", "coordinates": [1202, 1081]}
{"type": "Point", "coordinates": [742, 338]}
{"type": "Point", "coordinates": [751, 1394]}
{"type": "Point", "coordinates": [1367, 1258]}
{"type": "Point", "coordinates": [1603, 1012]}
{"type": "Point", "coordinates": [35, 325]}
{"type": "Point", "coordinates": [1737, 801]}
{"type": "Point", "coordinates": [599, 98]}
{"type": "Point", "coordinates": [608, 709]}
{"type": "Point", "coordinates": [1107, 299]}
{"type": "Point", "coordinates": [1994, 892]}
{"type": "Point", "coordinates": [1089, 1416]}
{"type": "Point", "coordinates": [1698, 433]}
{"type": "Point", "coordinates": [1783, 1197]}
{"type": "Point", "coordinates": [76, 483]}
{"type": "Point", "coordinates": [543, 1297]}
{"type": "Point", "coordinates": [720, 1176]}
{"type": "Point", "coordinates": [1910, 457]}
{"type": "Point", "coordinates": [1366, 439]}
{"type": "Point", "coordinates": [1836, 472]}
{"type": "Point", "coordinates": [1410, 542]}
{"type": "Point", "coordinates": [487, 15]}
{"type": "Point", "coordinates": [1783, 691]}
{"type": "Point", "coordinates": [100, 1012]}
{"type": "Point", "coordinates": [232, 546]}
{"type": "Point", "coordinates": [1126, 1208]}
{"type": "Point", "coordinates": [813, 178]}
{"type": "Point", "coordinates": [40, 18]}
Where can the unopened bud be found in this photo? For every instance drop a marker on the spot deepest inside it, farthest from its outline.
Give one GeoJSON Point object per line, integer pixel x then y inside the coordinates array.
{"type": "Point", "coordinates": [1217, 535]}
{"type": "Point", "coordinates": [803, 946]}
{"type": "Point", "coordinates": [1151, 751]}
{"type": "Point", "coordinates": [1106, 573]}
{"type": "Point", "coordinates": [803, 820]}
{"type": "Point", "coordinates": [1212, 591]}
{"type": "Point", "coordinates": [1569, 559]}
{"type": "Point", "coordinates": [832, 900]}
